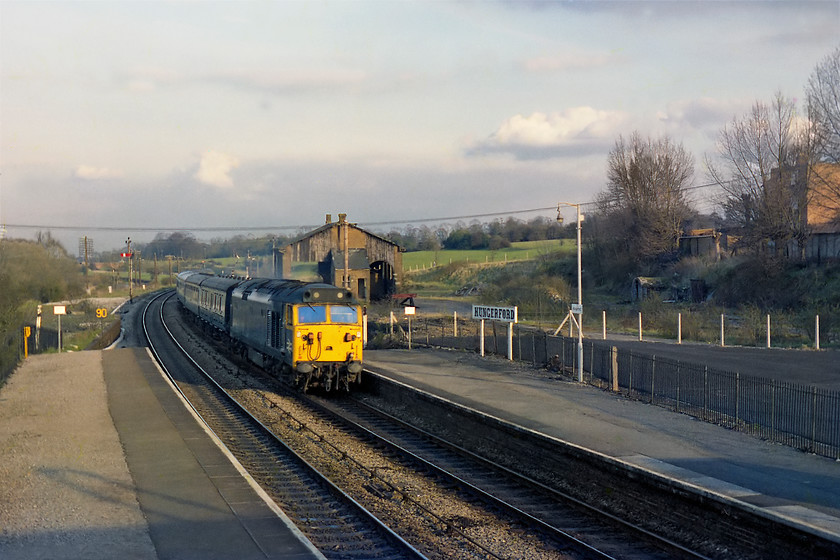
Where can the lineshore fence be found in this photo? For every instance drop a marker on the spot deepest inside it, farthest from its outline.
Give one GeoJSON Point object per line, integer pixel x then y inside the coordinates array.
{"type": "Point", "coordinates": [799, 416]}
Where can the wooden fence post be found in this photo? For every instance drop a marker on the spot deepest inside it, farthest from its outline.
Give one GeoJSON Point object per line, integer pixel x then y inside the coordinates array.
{"type": "Point", "coordinates": [640, 326]}
{"type": "Point", "coordinates": [817, 333]}
{"type": "Point", "coordinates": [768, 330]}
{"type": "Point", "coordinates": [604, 325]}
{"type": "Point", "coordinates": [679, 328]}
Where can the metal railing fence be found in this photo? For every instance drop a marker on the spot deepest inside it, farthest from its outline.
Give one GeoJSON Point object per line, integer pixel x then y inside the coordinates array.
{"type": "Point", "coordinates": [799, 416]}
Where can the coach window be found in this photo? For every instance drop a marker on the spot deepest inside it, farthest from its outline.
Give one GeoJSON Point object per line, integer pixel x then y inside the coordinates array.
{"type": "Point", "coordinates": [312, 314]}
{"type": "Point", "coordinates": [343, 314]}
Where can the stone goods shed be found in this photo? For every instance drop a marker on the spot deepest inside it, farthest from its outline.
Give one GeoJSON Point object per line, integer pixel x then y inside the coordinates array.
{"type": "Point", "coordinates": [346, 255]}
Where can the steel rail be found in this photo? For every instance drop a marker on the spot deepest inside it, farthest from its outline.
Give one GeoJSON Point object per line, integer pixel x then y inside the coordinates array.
{"type": "Point", "coordinates": [666, 544]}
{"type": "Point", "coordinates": [405, 549]}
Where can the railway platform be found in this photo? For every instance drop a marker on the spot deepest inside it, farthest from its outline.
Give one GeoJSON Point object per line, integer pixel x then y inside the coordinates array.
{"type": "Point", "coordinates": [781, 482]}
{"type": "Point", "coordinates": [162, 487]}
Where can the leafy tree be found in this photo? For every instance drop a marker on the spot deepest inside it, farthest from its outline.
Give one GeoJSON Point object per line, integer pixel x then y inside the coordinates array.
{"type": "Point", "coordinates": [458, 239]}
{"type": "Point", "coordinates": [496, 234]}
{"type": "Point", "coordinates": [180, 244]}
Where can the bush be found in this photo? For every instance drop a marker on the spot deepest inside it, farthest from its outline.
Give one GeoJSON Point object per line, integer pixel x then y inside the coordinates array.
{"type": "Point", "coordinates": [30, 272]}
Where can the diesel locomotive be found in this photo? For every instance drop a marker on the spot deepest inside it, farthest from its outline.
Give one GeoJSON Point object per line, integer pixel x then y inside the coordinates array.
{"type": "Point", "coordinates": [308, 333]}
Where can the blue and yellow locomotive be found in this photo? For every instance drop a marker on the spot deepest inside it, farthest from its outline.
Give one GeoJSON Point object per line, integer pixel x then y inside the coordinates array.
{"type": "Point", "coordinates": [308, 332]}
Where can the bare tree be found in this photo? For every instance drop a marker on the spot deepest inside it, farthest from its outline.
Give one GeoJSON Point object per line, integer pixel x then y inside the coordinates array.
{"type": "Point", "coordinates": [645, 203]}
{"type": "Point", "coordinates": [823, 91]}
{"type": "Point", "coordinates": [823, 98]}
{"type": "Point", "coordinates": [765, 160]}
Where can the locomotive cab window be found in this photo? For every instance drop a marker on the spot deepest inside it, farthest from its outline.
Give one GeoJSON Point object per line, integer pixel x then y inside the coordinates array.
{"type": "Point", "coordinates": [343, 314]}
{"type": "Point", "coordinates": [312, 314]}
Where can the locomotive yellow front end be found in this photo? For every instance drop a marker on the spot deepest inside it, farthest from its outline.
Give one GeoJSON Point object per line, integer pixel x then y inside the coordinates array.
{"type": "Point", "coordinates": [328, 344]}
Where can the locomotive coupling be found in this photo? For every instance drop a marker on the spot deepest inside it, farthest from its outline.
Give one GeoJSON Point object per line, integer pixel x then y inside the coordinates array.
{"type": "Point", "coordinates": [354, 366]}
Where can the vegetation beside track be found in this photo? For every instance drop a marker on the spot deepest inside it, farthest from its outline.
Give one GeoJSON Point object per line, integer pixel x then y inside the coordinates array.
{"type": "Point", "coordinates": [744, 290]}
{"type": "Point", "coordinates": [40, 273]}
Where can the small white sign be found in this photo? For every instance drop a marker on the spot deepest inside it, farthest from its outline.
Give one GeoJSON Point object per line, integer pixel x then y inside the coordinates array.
{"type": "Point", "coordinates": [60, 310]}
{"type": "Point", "coordinates": [410, 310]}
{"type": "Point", "coordinates": [577, 308]}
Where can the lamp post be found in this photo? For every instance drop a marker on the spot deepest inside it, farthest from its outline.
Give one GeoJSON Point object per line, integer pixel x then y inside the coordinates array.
{"type": "Point", "coordinates": [579, 286]}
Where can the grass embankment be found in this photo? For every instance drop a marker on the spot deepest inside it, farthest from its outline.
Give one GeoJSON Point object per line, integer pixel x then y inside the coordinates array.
{"type": "Point", "coordinates": [542, 282]}
{"type": "Point", "coordinates": [522, 251]}
{"type": "Point", "coordinates": [445, 273]}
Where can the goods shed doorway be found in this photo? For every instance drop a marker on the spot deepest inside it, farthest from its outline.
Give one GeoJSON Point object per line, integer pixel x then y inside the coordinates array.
{"type": "Point", "coordinates": [383, 283]}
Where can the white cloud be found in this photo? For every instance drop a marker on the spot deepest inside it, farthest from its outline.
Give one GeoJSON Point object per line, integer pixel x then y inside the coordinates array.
{"type": "Point", "coordinates": [215, 168]}
{"type": "Point", "coordinates": [92, 173]}
{"type": "Point", "coordinates": [575, 131]}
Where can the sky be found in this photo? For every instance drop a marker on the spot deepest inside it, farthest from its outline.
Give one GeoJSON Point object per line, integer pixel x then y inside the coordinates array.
{"type": "Point", "coordinates": [128, 118]}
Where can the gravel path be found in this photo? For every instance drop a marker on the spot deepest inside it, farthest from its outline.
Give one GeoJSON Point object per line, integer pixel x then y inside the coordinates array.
{"type": "Point", "coordinates": [65, 489]}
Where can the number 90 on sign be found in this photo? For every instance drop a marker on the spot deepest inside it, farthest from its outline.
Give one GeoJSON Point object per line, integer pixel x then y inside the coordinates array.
{"type": "Point", "coordinates": [101, 312]}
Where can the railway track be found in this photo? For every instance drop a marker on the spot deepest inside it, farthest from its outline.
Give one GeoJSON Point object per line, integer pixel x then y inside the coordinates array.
{"type": "Point", "coordinates": [580, 527]}
{"type": "Point", "coordinates": [335, 523]}
{"type": "Point", "coordinates": [447, 502]}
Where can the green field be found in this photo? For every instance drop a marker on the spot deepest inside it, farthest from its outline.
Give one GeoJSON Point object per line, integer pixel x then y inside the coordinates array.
{"type": "Point", "coordinates": [521, 251]}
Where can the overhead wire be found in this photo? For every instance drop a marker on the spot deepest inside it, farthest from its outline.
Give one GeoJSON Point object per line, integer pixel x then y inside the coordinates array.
{"type": "Point", "coordinates": [211, 229]}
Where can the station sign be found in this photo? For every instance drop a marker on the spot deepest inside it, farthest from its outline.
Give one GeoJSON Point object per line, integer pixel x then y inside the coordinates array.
{"type": "Point", "coordinates": [490, 313]}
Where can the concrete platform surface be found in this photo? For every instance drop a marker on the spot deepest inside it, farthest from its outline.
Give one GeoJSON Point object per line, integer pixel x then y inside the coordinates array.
{"type": "Point", "coordinates": [127, 468]}
{"type": "Point", "coordinates": [784, 482]}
